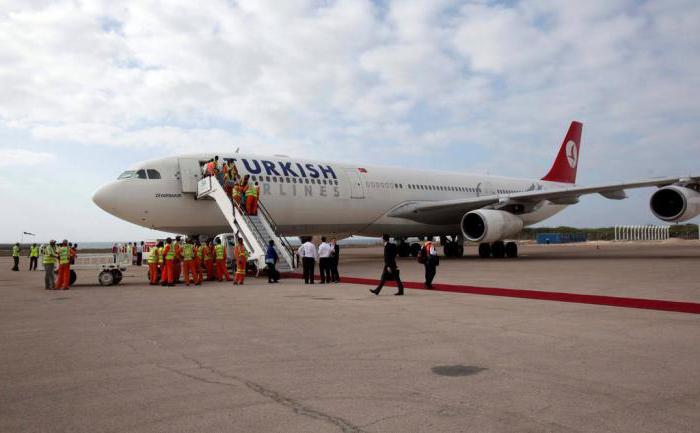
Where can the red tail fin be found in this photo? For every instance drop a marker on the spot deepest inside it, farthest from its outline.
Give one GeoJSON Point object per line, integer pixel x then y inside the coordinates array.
{"type": "Point", "coordinates": [564, 167]}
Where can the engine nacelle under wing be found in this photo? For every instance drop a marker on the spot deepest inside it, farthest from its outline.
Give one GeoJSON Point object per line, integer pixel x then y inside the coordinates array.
{"type": "Point", "coordinates": [488, 225]}
{"type": "Point", "coordinates": [675, 203]}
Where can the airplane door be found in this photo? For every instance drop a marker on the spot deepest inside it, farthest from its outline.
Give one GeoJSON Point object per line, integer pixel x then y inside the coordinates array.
{"type": "Point", "coordinates": [484, 189]}
{"type": "Point", "coordinates": [356, 188]}
{"type": "Point", "coordinates": [190, 173]}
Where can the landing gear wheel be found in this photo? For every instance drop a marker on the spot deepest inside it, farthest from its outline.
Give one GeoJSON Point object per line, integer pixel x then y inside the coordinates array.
{"type": "Point", "coordinates": [511, 250]}
{"type": "Point", "coordinates": [484, 251]}
{"type": "Point", "coordinates": [105, 278]}
{"type": "Point", "coordinates": [415, 249]}
{"type": "Point", "coordinates": [498, 250]}
{"type": "Point", "coordinates": [449, 249]}
{"type": "Point", "coordinates": [73, 277]}
{"type": "Point", "coordinates": [117, 276]}
{"type": "Point", "coordinates": [404, 249]}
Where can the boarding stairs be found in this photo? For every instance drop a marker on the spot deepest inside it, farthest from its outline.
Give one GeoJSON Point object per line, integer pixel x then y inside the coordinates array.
{"type": "Point", "coordinates": [255, 230]}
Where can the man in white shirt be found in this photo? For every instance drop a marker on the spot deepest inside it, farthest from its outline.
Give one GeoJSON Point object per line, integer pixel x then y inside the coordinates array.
{"type": "Point", "coordinates": [308, 254]}
{"type": "Point", "coordinates": [324, 260]}
{"type": "Point", "coordinates": [139, 254]}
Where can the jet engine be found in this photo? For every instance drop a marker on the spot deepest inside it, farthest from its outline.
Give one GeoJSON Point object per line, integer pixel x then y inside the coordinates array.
{"type": "Point", "coordinates": [488, 225]}
{"type": "Point", "coordinates": [675, 203]}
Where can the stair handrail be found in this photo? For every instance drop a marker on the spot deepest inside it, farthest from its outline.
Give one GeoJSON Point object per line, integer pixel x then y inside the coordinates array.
{"type": "Point", "coordinates": [275, 228]}
{"type": "Point", "coordinates": [209, 189]}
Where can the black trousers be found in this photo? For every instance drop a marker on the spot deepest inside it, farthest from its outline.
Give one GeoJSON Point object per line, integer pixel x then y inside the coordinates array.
{"type": "Point", "coordinates": [139, 259]}
{"type": "Point", "coordinates": [32, 263]}
{"type": "Point", "coordinates": [335, 277]}
{"type": "Point", "coordinates": [324, 265]}
{"type": "Point", "coordinates": [16, 261]}
{"type": "Point", "coordinates": [308, 264]}
{"type": "Point", "coordinates": [390, 274]}
{"type": "Point", "coordinates": [430, 271]}
{"type": "Point", "coordinates": [272, 274]}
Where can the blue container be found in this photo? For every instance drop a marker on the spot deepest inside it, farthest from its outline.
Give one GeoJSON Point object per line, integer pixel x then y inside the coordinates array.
{"type": "Point", "coordinates": [549, 238]}
{"type": "Point", "coordinates": [561, 238]}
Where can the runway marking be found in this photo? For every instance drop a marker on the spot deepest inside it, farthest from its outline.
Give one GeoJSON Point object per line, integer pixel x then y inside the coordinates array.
{"type": "Point", "coordinates": [577, 298]}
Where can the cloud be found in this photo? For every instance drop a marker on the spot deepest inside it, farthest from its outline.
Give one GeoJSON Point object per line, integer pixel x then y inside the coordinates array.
{"type": "Point", "coordinates": [17, 157]}
{"type": "Point", "coordinates": [488, 85]}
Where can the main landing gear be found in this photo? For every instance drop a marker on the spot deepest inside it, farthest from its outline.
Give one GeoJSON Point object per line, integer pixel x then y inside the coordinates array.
{"type": "Point", "coordinates": [498, 250]}
{"type": "Point", "coordinates": [406, 249]}
{"type": "Point", "coordinates": [453, 247]}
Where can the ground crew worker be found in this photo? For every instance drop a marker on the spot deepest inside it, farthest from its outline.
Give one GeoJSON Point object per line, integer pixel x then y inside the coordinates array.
{"type": "Point", "coordinates": [252, 199]}
{"type": "Point", "coordinates": [15, 256]}
{"type": "Point", "coordinates": [167, 277]}
{"type": "Point", "coordinates": [73, 252]}
{"type": "Point", "coordinates": [223, 174]}
{"type": "Point", "coordinates": [233, 171]}
{"type": "Point", "coordinates": [33, 257]}
{"type": "Point", "coordinates": [244, 188]}
{"type": "Point", "coordinates": [204, 258]}
{"type": "Point", "coordinates": [236, 194]}
{"type": "Point", "coordinates": [211, 168]}
{"type": "Point", "coordinates": [430, 261]}
{"type": "Point", "coordinates": [241, 257]}
{"type": "Point", "coordinates": [160, 247]}
{"type": "Point", "coordinates": [220, 253]}
{"type": "Point", "coordinates": [188, 254]}
{"type": "Point", "coordinates": [177, 263]}
{"type": "Point", "coordinates": [198, 259]}
{"type": "Point", "coordinates": [63, 266]}
{"type": "Point", "coordinates": [49, 261]}
{"type": "Point", "coordinates": [228, 182]}
{"type": "Point", "coordinates": [209, 260]}
{"type": "Point", "coordinates": [153, 260]}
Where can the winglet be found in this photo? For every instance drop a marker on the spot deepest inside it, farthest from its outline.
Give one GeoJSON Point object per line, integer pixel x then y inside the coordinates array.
{"type": "Point", "coordinates": [564, 167]}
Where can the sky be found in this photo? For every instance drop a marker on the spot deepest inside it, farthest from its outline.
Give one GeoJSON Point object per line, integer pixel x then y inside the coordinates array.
{"type": "Point", "coordinates": [89, 87]}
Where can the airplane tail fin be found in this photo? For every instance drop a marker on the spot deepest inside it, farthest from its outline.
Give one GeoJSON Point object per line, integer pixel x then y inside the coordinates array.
{"type": "Point", "coordinates": [564, 167]}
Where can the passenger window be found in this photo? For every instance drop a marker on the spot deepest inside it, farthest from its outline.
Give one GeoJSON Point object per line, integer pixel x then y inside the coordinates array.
{"type": "Point", "coordinates": [141, 174]}
{"type": "Point", "coordinates": [153, 174]}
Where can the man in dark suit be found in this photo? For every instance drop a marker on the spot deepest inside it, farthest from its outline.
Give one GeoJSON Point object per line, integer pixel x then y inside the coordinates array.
{"type": "Point", "coordinates": [391, 270]}
{"type": "Point", "coordinates": [335, 257]}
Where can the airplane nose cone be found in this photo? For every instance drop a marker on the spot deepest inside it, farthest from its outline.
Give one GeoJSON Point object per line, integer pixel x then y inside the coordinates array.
{"type": "Point", "coordinates": [106, 198]}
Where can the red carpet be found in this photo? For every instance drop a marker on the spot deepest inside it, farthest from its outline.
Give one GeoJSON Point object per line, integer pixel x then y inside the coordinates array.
{"type": "Point", "coordinates": [613, 301]}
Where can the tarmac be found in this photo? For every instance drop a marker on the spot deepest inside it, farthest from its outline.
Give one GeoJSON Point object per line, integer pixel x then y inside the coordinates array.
{"type": "Point", "coordinates": [324, 358]}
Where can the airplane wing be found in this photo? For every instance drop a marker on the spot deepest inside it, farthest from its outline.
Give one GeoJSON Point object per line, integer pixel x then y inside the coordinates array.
{"type": "Point", "coordinates": [451, 211]}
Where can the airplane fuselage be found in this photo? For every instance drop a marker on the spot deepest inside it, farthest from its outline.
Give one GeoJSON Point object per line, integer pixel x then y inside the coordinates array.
{"type": "Point", "coordinates": [304, 197]}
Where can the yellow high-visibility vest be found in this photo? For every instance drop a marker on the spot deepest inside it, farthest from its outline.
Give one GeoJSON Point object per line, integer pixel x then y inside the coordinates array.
{"type": "Point", "coordinates": [153, 256]}
{"type": "Point", "coordinates": [252, 191]}
{"type": "Point", "coordinates": [63, 256]}
{"type": "Point", "coordinates": [49, 255]}
{"type": "Point", "coordinates": [187, 252]}
{"type": "Point", "coordinates": [170, 255]}
{"type": "Point", "coordinates": [219, 250]}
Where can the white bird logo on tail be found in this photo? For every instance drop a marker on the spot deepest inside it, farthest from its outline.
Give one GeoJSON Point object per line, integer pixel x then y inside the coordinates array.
{"type": "Point", "coordinates": [571, 153]}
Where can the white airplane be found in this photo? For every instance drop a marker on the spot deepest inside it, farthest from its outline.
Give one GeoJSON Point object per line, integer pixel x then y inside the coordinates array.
{"type": "Point", "coordinates": [306, 197]}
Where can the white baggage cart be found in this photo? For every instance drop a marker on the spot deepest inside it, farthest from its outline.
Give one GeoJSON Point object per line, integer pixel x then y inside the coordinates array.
{"type": "Point", "coordinates": [110, 267]}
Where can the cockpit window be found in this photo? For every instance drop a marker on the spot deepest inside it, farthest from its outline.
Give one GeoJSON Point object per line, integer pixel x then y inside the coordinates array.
{"type": "Point", "coordinates": [153, 174]}
{"type": "Point", "coordinates": [127, 175]}
{"type": "Point", "coordinates": [141, 174]}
